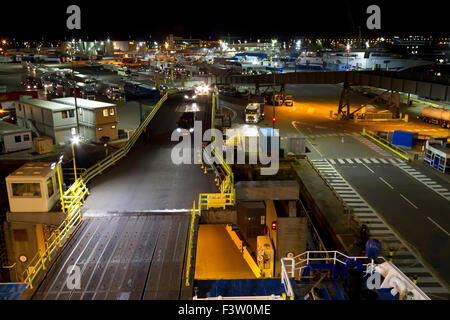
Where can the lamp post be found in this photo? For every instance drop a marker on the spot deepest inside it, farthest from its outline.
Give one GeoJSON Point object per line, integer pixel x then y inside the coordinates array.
{"type": "Point", "coordinates": [58, 168]}
{"type": "Point", "coordinates": [75, 140]}
{"type": "Point", "coordinates": [348, 52]}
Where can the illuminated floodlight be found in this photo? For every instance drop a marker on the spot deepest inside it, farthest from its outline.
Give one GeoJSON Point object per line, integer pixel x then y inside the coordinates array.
{"type": "Point", "coordinates": [76, 139]}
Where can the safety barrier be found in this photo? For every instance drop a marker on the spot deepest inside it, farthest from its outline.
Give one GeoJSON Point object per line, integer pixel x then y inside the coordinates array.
{"type": "Point", "coordinates": [72, 200]}
{"type": "Point", "coordinates": [292, 267]}
{"type": "Point", "coordinates": [387, 144]}
{"type": "Point", "coordinates": [243, 249]}
{"type": "Point", "coordinates": [189, 265]}
{"type": "Point", "coordinates": [110, 160]}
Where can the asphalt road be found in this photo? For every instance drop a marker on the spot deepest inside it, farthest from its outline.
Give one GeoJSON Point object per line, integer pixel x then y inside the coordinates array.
{"type": "Point", "coordinates": [147, 179]}
{"type": "Point", "coordinates": [419, 215]}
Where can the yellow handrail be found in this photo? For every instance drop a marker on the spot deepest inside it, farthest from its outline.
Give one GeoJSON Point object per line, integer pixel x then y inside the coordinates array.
{"type": "Point", "coordinates": [386, 144]}
{"type": "Point", "coordinates": [190, 245]}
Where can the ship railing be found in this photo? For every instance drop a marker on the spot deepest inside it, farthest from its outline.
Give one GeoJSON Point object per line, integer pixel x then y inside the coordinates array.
{"type": "Point", "coordinates": [293, 267]}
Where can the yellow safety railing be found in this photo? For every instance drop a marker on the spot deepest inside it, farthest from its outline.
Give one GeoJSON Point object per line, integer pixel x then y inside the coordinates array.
{"type": "Point", "coordinates": [72, 199]}
{"type": "Point", "coordinates": [110, 160]}
{"type": "Point", "coordinates": [195, 214]}
{"type": "Point", "coordinates": [387, 144]}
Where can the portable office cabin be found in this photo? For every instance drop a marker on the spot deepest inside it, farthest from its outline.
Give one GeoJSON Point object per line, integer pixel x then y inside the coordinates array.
{"type": "Point", "coordinates": [33, 188]}
{"type": "Point", "coordinates": [438, 157]}
{"type": "Point", "coordinates": [47, 118]}
{"type": "Point", "coordinates": [97, 119]}
{"type": "Point", "coordinates": [14, 138]}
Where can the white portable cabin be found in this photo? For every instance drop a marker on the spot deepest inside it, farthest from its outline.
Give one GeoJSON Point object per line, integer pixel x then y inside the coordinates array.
{"type": "Point", "coordinates": [438, 157]}
{"type": "Point", "coordinates": [49, 118]}
{"type": "Point", "coordinates": [34, 187]}
{"type": "Point", "coordinates": [14, 138]}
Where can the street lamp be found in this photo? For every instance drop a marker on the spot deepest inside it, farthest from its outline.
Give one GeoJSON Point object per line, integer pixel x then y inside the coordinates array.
{"type": "Point", "coordinates": [348, 52]}
{"type": "Point", "coordinates": [58, 166]}
{"type": "Point", "coordinates": [75, 140]}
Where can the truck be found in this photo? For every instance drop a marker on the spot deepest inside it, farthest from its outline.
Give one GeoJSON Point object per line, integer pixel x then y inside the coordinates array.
{"type": "Point", "coordinates": [436, 116]}
{"type": "Point", "coordinates": [109, 90]}
{"type": "Point", "coordinates": [254, 112]}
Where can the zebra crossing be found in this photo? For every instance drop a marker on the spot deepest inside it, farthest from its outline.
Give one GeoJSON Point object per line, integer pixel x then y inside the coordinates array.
{"type": "Point", "coordinates": [394, 161]}
{"type": "Point", "coordinates": [419, 176]}
{"type": "Point", "coordinates": [404, 258]}
{"type": "Point", "coordinates": [325, 135]}
{"type": "Point", "coordinates": [372, 145]}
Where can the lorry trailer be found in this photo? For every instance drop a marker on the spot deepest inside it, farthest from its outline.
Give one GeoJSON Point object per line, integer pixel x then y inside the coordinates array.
{"type": "Point", "coordinates": [436, 116]}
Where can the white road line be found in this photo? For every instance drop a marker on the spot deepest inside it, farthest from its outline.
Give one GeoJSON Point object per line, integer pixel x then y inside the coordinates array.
{"type": "Point", "coordinates": [357, 160]}
{"type": "Point", "coordinates": [392, 161]}
{"type": "Point", "coordinates": [341, 161]}
{"type": "Point", "coordinates": [437, 225]}
{"type": "Point", "coordinates": [368, 168]}
{"type": "Point", "coordinates": [383, 160]}
{"type": "Point", "coordinates": [332, 161]}
{"type": "Point", "coordinates": [409, 201]}
{"type": "Point", "coordinates": [349, 160]}
{"type": "Point", "coordinates": [374, 160]}
{"type": "Point", "coordinates": [386, 183]}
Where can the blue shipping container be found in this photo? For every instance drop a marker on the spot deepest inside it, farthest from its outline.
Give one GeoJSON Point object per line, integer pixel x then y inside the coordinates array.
{"type": "Point", "coordinates": [403, 138]}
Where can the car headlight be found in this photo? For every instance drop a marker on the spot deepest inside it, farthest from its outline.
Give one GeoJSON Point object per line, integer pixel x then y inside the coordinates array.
{"type": "Point", "coordinates": [28, 87]}
{"type": "Point", "coordinates": [194, 96]}
{"type": "Point", "coordinates": [186, 97]}
{"type": "Point", "coordinates": [191, 130]}
{"type": "Point", "coordinates": [178, 130]}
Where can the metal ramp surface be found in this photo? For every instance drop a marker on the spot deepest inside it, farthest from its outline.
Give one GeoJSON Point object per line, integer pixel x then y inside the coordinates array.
{"type": "Point", "coordinates": [122, 257]}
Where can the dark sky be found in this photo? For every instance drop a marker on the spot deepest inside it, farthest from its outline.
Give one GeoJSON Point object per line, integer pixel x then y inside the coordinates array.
{"type": "Point", "coordinates": [140, 19]}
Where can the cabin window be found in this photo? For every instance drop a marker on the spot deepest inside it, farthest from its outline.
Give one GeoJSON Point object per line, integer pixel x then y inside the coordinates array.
{"type": "Point", "coordinates": [80, 111]}
{"type": "Point", "coordinates": [71, 114]}
{"type": "Point", "coordinates": [26, 190]}
{"type": "Point", "coordinates": [429, 154]}
{"type": "Point", "coordinates": [105, 112]}
{"type": "Point", "coordinates": [26, 137]}
{"type": "Point", "coordinates": [442, 161]}
{"type": "Point", "coordinates": [50, 188]}
{"type": "Point", "coordinates": [64, 114]}
{"type": "Point", "coordinates": [18, 139]}
{"type": "Point", "coordinates": [111, 111]}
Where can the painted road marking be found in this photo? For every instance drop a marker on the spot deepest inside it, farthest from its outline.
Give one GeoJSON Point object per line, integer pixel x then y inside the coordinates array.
{"type": "Point", "coordinates": [386, 183]}
{"type": "Point", "coordinates": [409, 201]}
{"type": "Point", "coordinates": [437, 225]}
{"type": "Point", "coordinates": [358, 161]}
{"type": "Point", "coordinates": [368, 168]}
{"type": "Point", "coordinates": [381, 230]}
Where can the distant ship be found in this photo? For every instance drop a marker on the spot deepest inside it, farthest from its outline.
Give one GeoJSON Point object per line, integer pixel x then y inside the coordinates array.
{"type": "Point", "coordinates": [357, 60]}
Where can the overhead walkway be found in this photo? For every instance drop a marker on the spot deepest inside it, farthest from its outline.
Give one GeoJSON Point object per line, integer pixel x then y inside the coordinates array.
{"type": "Point", "coordinates": [435, 88]}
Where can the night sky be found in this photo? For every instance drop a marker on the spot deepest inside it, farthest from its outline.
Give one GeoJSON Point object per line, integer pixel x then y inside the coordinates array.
{"type": "Point", "coordinates": [142, 19]}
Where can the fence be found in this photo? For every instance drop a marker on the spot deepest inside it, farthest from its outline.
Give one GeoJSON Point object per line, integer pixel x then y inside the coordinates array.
{"type": "Point", "coordinates": [293, 268]}
{"type": "Point", "coordinates": [385, 143]}
{"type": "Point", "coordinates": [72, 200]}
{"type": "Point", "coordinates": [110, 160]}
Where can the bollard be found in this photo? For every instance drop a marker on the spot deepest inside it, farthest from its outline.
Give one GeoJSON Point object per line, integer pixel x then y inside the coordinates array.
{"type": "Point", "coordinates": [391, 254]}
{"type": "Point", "coordinates": [415, 279]}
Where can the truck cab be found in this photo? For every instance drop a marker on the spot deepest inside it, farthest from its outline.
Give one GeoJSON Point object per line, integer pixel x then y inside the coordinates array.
{"type": "Point", "coordinates": [254, 112]}
{"type": "Point", "coordinates": [288, 102]}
